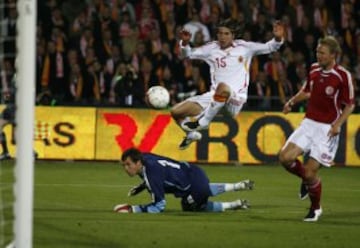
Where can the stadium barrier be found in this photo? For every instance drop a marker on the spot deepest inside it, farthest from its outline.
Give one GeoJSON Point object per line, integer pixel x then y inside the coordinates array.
{"type": "Point", "coordinates": [76, 133]}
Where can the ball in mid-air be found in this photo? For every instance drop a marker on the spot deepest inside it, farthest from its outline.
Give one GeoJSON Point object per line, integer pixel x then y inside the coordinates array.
{"type": "Point", "coordinates": [158, 97]}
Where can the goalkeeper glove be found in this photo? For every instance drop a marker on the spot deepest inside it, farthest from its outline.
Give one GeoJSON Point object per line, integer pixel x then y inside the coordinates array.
{"type": "Point", "coordinates": [123, 208]}
{"type": "Point", "coordinates": [137, 189]}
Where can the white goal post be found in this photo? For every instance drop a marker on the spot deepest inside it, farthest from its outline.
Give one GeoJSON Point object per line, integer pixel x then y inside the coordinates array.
{"type": "Point", "coordinates": [25, 99]}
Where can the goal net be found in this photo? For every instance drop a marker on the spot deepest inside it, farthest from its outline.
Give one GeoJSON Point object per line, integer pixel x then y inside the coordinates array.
{"type": "Point", "coordinates": [17, 54]}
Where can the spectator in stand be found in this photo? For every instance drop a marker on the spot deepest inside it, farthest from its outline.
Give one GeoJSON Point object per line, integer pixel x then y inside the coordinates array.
{"type": "Point", "coordinates": [91, 88]}
{"type": "Point", "coordinates": [147, 74]}
{"type": "Point", "coordinates": [125, 25]}
{"type": "Point", "coordinates": [260, 27]}
{"type": "Point", "coordinates": [105, 47]}
{"type": "Point", "coordinates": [128, 35]}
{"type": "Point", "coordinates": [40, 59]}
{"type": "Point", "coordinates": [122, 6]}
{"type": "Point", "coordinates": [309, 21]}
{"type": "Point", "coordinates": [260, 92]}
{"type": "Point", "coordinates": [76, 83]}
{"type": "Point", "coordinates": [320, 14]}
{"type": "Point", "coordinates": [194, 85]}
{"type": "Point", "coordinates": [169, 28]}
{"type": "Point", "coordinates": [125, 87]}
{"type": "Point", "coordinates": [138, 55]}
{"type": "Point", "coordinates": [81, 22]}
{"type": "Point", "coordinates": [119, 74]}
{"type": "Point", "coordinates": [275, 66]}
{"type": "Point", "coordinates": [283, 90]}
{"type": "Point", "coordinates": [309, 49]}
{"type": "Point", "coordinates": [8, 29]}
{"type": "Point", "coordinates": [86, 41]}
{"type": "Point", "coordinates": [171, 84]}
{"type": "Point", "coordinates": [194, 25]}
{"type": "Point", "coordinates": [180, 11]}
{"type": "Point", "coordinates": [231, 9]}
{"type": "Point", "coordinates": [109, 70]}
{"type": "Point", "coordinates": [55, 74]}
{"type": "Point", "coordinates": [147, 16]}
{"type": "Point", "coordinates": [58, 20]}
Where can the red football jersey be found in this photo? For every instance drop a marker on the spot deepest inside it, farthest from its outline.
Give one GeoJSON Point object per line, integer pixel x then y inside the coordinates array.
{"type": "Point", "coordinates": [329, 90]}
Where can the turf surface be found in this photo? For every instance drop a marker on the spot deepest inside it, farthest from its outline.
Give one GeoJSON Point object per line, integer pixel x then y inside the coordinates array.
{"type": "Point", "coordinates": [73, 208]}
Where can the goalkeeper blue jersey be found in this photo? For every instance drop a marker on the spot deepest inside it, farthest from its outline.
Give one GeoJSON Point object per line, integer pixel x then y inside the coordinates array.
{"type": "Point", "coordinates": [163, 175]}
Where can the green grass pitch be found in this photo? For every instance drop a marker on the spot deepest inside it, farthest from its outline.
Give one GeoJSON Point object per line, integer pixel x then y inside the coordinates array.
{"type": "Point", "coordinates": [73, 208]}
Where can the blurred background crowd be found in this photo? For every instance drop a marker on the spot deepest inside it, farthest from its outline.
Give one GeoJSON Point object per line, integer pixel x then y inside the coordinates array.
{"type": "Point", "coordinates": [109, 52]}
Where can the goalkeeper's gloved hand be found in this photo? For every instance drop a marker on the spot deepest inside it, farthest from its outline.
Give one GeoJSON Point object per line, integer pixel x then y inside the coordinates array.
{"type": "Point", "coordinates": [137, 189]}
{"type": "Point", "coordinates": [123, 208]}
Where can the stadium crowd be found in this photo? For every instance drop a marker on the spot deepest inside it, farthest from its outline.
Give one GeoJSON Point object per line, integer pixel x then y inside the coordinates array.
{"type": "Point", "coordinates": [109, 52]}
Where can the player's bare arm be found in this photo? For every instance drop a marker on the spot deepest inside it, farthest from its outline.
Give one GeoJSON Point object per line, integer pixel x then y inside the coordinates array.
{"type": "Point", "coordinates": [299, 97]}
{"type": "Point", "coordinates": [278, 31]}
{"type": "Point", "coordinates": [335, 127]}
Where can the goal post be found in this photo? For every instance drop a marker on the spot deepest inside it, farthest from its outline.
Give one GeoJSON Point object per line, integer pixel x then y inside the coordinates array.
{"type": "Point", "coordinates": [25, 99]}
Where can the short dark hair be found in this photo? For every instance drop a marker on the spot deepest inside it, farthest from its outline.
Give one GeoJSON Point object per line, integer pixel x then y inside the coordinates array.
{"type": "Point", "coordinates": [133, 153]}
{"type": "Point", "coordinates": [231, 24]}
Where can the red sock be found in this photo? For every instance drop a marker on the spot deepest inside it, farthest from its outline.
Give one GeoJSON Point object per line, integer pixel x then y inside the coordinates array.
{"type": "Point", "coordinates": [315, 194]}
{"type": "Point", "coordinates": [297, 169]}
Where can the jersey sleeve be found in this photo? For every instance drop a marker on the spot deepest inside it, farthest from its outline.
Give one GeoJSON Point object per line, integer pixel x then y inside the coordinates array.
{"type": "Point", "coordinates": [153, 177]}
{"type": "Point", "coordinates": [264, 48]}
{"type": "Point", "coordinates": [347, 95]}
{"type": "Point", "coordinates": [195, 53]}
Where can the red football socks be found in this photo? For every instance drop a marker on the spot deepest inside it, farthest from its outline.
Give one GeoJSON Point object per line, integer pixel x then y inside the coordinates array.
{"type": "Point", "coordinates": [297, 169]}
{"type": "Point", "coordinates": [315, 194]}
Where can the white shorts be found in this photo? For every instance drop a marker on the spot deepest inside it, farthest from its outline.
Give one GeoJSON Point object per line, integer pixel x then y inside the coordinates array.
{"type": "Point", "coordinates": [233, 105]}
{"type": "Point", "coordinates": [311, 136]}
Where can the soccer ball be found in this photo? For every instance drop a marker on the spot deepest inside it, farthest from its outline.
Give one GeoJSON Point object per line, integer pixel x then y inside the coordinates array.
{"type": "Point", "coordinates": [158, 97]}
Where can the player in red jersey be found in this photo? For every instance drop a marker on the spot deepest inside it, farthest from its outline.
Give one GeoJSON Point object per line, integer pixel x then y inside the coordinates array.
{"type": "Point", "coordinates": [330, 94]}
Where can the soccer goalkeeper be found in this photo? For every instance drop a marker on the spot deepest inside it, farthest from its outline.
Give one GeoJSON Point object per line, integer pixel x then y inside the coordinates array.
{"type": "Point", "coordinates": [163, 175]}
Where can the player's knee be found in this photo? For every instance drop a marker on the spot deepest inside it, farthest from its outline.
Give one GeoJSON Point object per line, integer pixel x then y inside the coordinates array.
{"type": "Point", "coordinates": [310, 174]}
{"type": "Point", "coordinates": [223, 90]}
{"type": "Point", "coordinates": [285, 158]}
{"type": "Point", "coordinates": [175, 113]}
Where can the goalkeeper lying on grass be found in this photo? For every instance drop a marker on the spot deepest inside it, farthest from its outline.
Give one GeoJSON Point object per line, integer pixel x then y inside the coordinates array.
{"type": "Point", "coordinates": [162, 175]}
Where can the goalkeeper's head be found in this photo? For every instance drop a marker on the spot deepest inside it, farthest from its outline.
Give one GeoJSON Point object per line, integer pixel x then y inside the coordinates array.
{"type": "Point", "coordinates": [132, 160]}
{"type": "Point", "coordinates": [132, 153]}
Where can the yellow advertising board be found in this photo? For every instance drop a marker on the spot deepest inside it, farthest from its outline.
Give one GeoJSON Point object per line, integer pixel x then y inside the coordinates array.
{"type": "Point", "coordinates": [72, 134]}
{"type": "Point", "coordinates": [149, 130]}
{"type": "Point", "coordinates": [104, 133]}
{"type": "Point", "coordinates": [253, 137]}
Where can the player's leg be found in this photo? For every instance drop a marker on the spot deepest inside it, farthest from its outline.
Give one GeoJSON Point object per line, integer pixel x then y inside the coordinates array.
{"type": "Point", "coordinates": [297, 144]}
{"type": "Point", "coordinates": [219, 188]}
{"type": "Point", "coordinates": [199, 191]}
{"type": "Point", "coordinates": [198, 201]}
{"type": "Point", "coordinates": [288, 159]}
{"type": "Point", "coordinates": [220, 97]}
{"type": "Point", "coordinates": [223, 206]}
{"type": "Point", "coordinates": [183, 112]}
{"type": "Point", "coordinates": [322, 154]}
{"type": "Point", "coordinates": [314, 186]}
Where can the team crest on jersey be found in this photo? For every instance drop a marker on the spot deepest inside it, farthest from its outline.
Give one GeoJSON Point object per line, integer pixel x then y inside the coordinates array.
{"type": "Point", "coordinates": [329, 90]}
{"type": "Point", "coordinates": [241, 59]}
